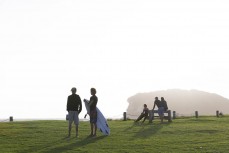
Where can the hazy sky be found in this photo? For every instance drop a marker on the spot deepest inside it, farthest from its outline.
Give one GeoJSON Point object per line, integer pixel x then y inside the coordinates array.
{"type": "Point", "coordinates": [120, 47]}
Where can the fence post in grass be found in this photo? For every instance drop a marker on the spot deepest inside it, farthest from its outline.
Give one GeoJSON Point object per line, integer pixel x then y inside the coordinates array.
{"type": "Point", "coordinates": [11, 118]}
{"type": "Point", "coordinates": [150, 116]}
{"type": "Point", "coordinates": [196, 113]}
{"type": "Point", "coordinates": [174, 114]}
{"type": "Point", "coordinates": [169, 116]}
{"type": "Point", "coordinates": [124, 116]}
{"type": "Point", "coordinates": [217, 113]}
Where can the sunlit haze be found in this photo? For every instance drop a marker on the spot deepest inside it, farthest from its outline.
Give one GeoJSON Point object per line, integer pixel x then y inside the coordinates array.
{"type": "Point", "coordinates": [120, 47]}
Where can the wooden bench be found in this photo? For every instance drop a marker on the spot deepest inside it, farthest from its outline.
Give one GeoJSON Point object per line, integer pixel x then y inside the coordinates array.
{"type": "Point", "coordinates": [152, 116]}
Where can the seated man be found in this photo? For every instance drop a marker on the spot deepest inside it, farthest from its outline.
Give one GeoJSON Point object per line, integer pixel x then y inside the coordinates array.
{"type": "Point", "coordinates": [144, 114]}
{"type": "Point", "coordinates": [164, 104]}
{"type": "Point", "coordinates": [160, 107]}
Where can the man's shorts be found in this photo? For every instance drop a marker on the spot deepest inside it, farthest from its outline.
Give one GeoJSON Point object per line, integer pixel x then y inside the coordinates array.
{"type": "Point", "coordinates": [93, 116]}
{"type": "Point", "coordinates": [161, 111]}
{"type": "Point", "coordinates": [73, 116]}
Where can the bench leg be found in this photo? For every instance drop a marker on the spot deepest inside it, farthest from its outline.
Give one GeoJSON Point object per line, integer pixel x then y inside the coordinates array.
{"type": "Point", "coordinates": [150, 116]}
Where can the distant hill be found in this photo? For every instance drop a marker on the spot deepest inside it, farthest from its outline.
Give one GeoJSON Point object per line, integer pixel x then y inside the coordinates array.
{"type": "Point", "coordinates": [184, 102]}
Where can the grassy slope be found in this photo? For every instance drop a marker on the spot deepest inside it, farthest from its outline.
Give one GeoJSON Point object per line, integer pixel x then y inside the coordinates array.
{"type": "Point", "coordinates": [206, 134]}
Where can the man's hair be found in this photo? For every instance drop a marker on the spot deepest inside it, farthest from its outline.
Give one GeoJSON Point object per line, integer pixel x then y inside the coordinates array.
{"type": "Point", "coordinates": [93, 90]}
{"type": "Point", "coordinates": [73, 90]}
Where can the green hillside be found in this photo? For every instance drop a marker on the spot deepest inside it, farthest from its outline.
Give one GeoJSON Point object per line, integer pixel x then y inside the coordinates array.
{"type": "Point", "coordinates": [205, 134]}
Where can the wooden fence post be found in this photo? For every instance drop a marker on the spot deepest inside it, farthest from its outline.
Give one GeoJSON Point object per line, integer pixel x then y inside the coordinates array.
{"type": "Point", "coordinates": [11, 118]}
{"type": "Point", "coordinates": [217, 113]}
{"type": "Point", "coordinates": [174, 114]}
{"type": "Point", "coordinates": [124, 116]}
{"type": "Point", "coordinates": [169, 116]}
{"type": "Point", "coordinates": [196, 113]}
{"type": "Point", "coordinates": [150, 116]}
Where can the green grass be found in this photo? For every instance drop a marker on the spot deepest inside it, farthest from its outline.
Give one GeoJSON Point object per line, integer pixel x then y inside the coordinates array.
{"type": "Point", "coordinates": [186, 135]}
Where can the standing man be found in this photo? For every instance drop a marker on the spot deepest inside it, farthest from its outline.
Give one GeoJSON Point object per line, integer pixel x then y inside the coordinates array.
{"type": "Point", "coordinates": [74, 107]}
{"type": "Point", "coordinates": [160, 108]}
{"type": "Point", "coordinates": [93, 112]}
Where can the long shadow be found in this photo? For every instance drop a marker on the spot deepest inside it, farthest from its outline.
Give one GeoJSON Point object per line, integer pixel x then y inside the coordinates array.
{"type": "Point", "coordinates": [131, 127]}
{"type": "Point", "coordinates": [39, 148]}
{"type": "Point", "coordinates": [76, 144]}
{"type": "Point", "coordinates": [147, 129]}
{"type": "Point", "coordinates": [62, 146]}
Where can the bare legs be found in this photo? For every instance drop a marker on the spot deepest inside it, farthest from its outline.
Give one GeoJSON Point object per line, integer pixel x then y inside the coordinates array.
{"type": "Point", "coordinates": [70, 128]}
{"type": "Point", "coordinates": [77, 135]}
{"type": "Point", "coordinates": [162, 117]}
{"type": "Point", "coordinates": [139, 118]}
{"type": "Point", "coordinates": [93, 129]}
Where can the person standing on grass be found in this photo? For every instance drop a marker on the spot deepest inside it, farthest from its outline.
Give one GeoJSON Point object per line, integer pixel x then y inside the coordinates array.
{"type": "Point", "coordinates": [74, 107]}
{"type": "Point", "coordinates": [93, 113]}
{"type": "Point", "coordinates": [144, 114]}
{"type": "Point", "coordinates": [160, 107]}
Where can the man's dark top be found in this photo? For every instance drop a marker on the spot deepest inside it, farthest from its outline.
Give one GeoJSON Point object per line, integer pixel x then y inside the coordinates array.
{"type": "Point", "coordinates": [94, 101]}
{"type": "Point", "coordinates": [74, 103]}
{"type": "Point", "coordinates": [158, 103]}
{"type": "Point", "coordinates": [164, 104]}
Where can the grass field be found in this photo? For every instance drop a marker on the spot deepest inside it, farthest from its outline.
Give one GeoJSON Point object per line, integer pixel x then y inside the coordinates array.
{"type": "Point", "coordinates": [184, 135]}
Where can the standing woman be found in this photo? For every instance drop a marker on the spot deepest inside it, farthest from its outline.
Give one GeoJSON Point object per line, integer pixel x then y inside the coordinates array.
{"type": "Point", "coordinates": [93, 112]}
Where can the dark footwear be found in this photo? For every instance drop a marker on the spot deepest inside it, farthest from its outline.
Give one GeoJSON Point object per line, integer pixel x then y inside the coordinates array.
{"type": "Point", "coordinates": [94, 135]}
{"type": "Point", "coordinates": [90, 135]}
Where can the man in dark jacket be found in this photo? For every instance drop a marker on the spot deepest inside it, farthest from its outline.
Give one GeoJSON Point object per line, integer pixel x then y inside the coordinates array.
{"type": "Point", "coordinates": [74, 107]}
{"type": "Point", "coordinates": [164, 104]}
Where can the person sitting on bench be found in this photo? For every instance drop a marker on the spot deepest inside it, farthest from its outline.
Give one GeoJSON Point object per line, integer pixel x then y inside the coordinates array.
{"type": "Point", "coordinates": [164, 104]}
{"type": "Point", "coordinates": [144, 114]}
{"type": "Point", "coordinates": [160, 107]}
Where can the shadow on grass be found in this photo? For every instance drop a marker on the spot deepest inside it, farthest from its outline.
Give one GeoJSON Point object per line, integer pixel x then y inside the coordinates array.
{"type": "Point", "coordinates": [146, 130]}
{"type": "Point", "coordinates": [129, 128]}
{"type": "Point", "coordinates": [77, 144]}
{"type": "Point", "coordinates": [64, 145]}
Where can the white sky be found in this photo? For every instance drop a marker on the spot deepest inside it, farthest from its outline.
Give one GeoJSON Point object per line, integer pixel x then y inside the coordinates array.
{"type": "Point", "coordinates": [120, 47]}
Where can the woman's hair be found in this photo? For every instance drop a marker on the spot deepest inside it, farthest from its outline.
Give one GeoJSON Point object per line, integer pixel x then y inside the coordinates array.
{"type": "Point", "coordinates": [145, 105]}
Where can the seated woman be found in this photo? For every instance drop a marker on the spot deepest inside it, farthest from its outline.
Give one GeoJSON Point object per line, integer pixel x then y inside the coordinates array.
{"type": "Point", "coordinates": [144, 114]}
